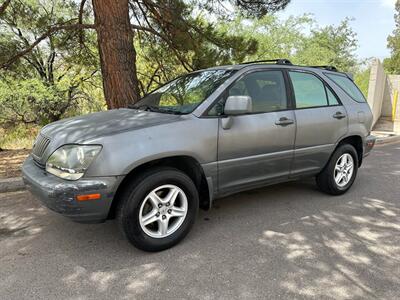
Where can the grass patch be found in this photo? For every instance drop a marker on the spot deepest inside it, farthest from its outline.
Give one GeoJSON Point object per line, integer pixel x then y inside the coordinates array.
{"type": "Point", "coordinates": [18, 137]}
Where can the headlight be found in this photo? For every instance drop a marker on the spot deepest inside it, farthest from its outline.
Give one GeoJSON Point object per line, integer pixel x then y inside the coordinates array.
{"type": "Point", "coordinates": [71, 161]}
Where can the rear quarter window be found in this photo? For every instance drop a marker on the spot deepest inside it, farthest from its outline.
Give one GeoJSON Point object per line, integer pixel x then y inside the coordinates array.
{"type": "Point", "coordinates": [348, 86]}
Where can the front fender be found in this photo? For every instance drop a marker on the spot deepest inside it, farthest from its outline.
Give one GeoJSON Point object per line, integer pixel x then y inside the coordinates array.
{"type": "Point", "coordinates": [123, 152]}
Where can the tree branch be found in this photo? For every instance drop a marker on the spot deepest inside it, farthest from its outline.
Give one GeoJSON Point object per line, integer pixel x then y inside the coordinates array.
{"type": "Point", "coordinates": [151, 30]}
{"type": "Point", "coordinates": [80, 21]}
{"type": "Point", "coordinates": [4, 6]}
{"type": "Point", "coordinates": [163, 23]}
{"type": "Point", "coordinates": [50, 62]}
{"type": "Point", "coordinates": [167, 41]}
{"type": "Point", "coordinates": [49, 32]}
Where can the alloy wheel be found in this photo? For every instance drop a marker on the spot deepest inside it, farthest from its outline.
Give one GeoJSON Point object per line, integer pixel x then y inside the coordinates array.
{"type": "Point", "coordinates": [163, 211]}
{"type": "Point", "coordinates": [344, 169]}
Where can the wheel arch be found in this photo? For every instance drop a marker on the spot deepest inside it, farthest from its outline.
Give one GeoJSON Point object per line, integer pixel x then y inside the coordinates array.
{"type": "Point", "coordinates": [187, 164]}
{"type": "Point", "coordinates": [357, 142]}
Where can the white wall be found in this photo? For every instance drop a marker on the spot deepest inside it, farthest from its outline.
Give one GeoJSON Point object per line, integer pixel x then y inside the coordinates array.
{"type": "Point", "coordinates": [387, 104]}
{"type": "Point", "coordinates": [376, 89]}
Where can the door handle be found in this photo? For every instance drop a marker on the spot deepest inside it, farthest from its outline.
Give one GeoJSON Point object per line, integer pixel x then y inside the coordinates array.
{"type": "Point", "coordinates": [339, 115]}
{"type": "Point", "coordinates": [284, 121]}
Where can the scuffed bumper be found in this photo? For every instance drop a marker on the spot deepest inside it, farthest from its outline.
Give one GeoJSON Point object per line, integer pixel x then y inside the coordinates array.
{"type": "Point", "coordinates": [369, 144]}
{"type": "Point", "coordinates": [59, 195]}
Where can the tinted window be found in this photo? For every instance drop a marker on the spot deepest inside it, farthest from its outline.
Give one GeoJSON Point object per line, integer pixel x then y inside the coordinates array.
{"type": "Point", "coordinates": [348, 86]}
{"type": "Point", "coordinates": [309, 91]}
{"type": "Point", "coordinates": [331, 98]}
{"type": "Point", "coordinates": [266, 89]}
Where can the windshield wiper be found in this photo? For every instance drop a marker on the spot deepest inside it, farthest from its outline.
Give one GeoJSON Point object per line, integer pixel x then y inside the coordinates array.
{"type": "Point", "coordinates": [155, 109]}
{"type": "Point", "coordinates": [140, 107]}
{"type": "Point", "coordinates": [169, 111]}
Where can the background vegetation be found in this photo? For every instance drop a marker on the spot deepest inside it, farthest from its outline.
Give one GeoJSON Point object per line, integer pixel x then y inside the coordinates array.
{"type": "Point", "coordinates": [392, 64]}
{"type": "Point", "coordinates": [61, 75]}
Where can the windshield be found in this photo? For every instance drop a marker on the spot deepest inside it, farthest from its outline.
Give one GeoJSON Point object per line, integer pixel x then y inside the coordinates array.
{"type": "Point", "coordinates": [184, 94]}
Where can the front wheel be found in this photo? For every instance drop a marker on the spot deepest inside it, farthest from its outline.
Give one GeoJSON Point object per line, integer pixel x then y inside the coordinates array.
{"type": "Point", "coordinates": [158, 209]}
{"type": "Point", "coordinates": [340, 172]}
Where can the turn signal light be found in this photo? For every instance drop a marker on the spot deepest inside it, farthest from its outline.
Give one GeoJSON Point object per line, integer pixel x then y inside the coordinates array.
{"type": "Point", "coordinates": [88, 197]}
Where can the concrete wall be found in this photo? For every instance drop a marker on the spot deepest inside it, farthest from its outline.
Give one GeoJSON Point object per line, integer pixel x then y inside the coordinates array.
{"type": "Point", "coordinates": [376, 89]}
{"type": "Point", "coordinates": [380, 97]}
{"type": "Point", "coordinates": [394, 84]}
{"type": "Point", "coordinates": [387, 99]}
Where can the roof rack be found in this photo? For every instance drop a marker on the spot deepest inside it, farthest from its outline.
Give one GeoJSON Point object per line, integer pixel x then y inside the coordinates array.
{"type": "Point", "coordinates": [329, 68]}
{"type": "Point", "coordinates": [280, 61]}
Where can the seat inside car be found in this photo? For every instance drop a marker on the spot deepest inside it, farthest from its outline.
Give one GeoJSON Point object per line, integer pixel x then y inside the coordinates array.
{"type": "Point", "coordinates": [266, 92]}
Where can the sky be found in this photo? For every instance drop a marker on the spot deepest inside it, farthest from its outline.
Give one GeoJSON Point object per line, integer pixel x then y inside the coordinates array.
{"type": "Point", "coordinates": [373, 20]}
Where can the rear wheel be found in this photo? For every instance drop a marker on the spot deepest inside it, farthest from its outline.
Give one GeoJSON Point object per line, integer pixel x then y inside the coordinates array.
{"type": "Point", "coordinates": [340, 172]}
{"type": "Point", "coordinates": [158, 209]}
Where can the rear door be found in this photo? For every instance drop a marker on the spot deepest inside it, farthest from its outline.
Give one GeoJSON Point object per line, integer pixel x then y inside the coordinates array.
{"type": "Point", "coordinates": [258, 147]}
{"type": "Point", "coordinates": [321, 122]}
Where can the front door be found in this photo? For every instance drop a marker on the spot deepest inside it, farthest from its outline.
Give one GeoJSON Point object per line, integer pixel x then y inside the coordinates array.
{"type": "Point", "coordinates": [258, 147]}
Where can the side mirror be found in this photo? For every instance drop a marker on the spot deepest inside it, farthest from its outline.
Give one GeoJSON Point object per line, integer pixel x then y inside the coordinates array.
{"type": "Point", "coordinates": [237, 105]}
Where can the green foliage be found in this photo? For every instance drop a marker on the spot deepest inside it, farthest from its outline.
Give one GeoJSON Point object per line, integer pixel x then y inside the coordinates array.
{"type": "Point", "coordinates": [275, 38]}
{"type": "Point", "coordinates": [299, 39]}
{"type": "Point", "coordinates": [58, 78]}
{"type": "Point", "coordinates": [28, 101]}
{"type": "Point", "coordinates": [32, 101]}
{"type": "Point", "coordinates": [361, 78]}
{"type": "Point", "coordinates": [330, 45]}
{"type": "Point", "coordinates": [253, 9]}
{"type": "Point", "coordinates": [392, 64]}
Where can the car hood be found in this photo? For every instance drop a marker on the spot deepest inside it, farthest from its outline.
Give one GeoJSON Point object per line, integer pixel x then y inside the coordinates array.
{"type": "Point", "coordinates": [88, 127]}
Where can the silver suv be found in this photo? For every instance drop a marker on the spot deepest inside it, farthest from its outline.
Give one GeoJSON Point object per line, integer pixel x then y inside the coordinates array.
{"type": "Point", "coordinates": [204, 135]}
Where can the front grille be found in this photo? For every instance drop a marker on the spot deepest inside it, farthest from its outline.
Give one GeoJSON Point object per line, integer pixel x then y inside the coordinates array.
{"type": "Point", "coordinates": [40, 165]}
{"type": "Point", "coordinates": [40, 146]}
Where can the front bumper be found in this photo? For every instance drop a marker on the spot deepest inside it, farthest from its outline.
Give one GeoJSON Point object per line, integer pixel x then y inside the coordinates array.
{"type": "Point", "coordinates": [59, 195]}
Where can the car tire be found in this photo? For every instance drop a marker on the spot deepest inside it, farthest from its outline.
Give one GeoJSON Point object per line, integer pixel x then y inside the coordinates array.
{"type": "Point", "coordinates": [335, 178]}
{"type": "Point", "coordinates": [145, 200]}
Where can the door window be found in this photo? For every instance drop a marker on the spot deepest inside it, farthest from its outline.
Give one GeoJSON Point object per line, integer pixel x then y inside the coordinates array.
{"type": "Point", "coordinates": [309, 91]}
{"type": "Point", "coordinates": [266, 89]}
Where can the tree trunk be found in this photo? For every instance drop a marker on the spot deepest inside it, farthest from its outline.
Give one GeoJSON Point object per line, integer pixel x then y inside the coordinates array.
{"type": "Point", "coordinates": [117, 52]}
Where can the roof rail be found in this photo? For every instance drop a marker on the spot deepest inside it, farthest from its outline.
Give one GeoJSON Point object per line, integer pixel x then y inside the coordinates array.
{"type": "Point", "coordinates": [329, 68]}
{"type": "Point", "coordinates": [280, 61]}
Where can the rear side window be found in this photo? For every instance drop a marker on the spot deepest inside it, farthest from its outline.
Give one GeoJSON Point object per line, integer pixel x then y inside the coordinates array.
{"type": "Point", "coordinates": [347, 85]}
{"type": "Point", "coordinates": [309, 91]}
